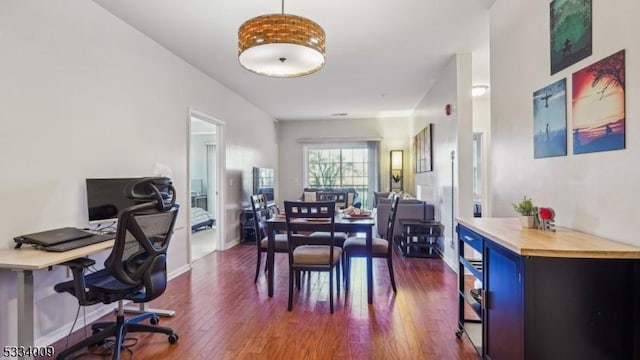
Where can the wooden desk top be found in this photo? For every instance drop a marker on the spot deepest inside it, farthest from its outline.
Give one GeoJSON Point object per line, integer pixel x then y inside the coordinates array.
{"type": "Point", "coordinates": [29, 258]}
{"type": "Point", "coordinates": [564, 243]}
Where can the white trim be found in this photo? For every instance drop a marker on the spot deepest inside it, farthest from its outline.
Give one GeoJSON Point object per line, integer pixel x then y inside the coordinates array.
{"type": "Point", "coordinates": [220, 177]}
{"type": "Point", "coordinates": [231, 244]}
{"type": "Point", "coordinates": [337, 140]}
{"type": "Point", "coordinates": [177, 272]}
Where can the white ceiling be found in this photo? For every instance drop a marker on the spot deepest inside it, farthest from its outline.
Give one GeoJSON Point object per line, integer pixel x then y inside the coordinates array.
{"type": "Point", "coordinates": [382, 55]}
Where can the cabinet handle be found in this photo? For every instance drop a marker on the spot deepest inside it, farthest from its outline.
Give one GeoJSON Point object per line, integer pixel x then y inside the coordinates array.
{"type": "Point", "coordinates": [468, 238]}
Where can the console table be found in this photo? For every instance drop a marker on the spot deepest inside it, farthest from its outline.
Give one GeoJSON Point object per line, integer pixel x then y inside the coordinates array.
{"type": "Point", "coordinates": [548, 295]}
{"type": "Point", "coordinates": [420, 238]}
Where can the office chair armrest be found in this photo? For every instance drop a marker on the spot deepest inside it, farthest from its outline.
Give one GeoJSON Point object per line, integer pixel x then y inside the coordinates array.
{"type": "Point", "coordinates": [80, 263]}
{"type": "Point", "coordinates": [78, 290]}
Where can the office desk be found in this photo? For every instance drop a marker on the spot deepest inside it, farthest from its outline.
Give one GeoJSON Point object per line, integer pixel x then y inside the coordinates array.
{"type": "Point", "coordinates": [342, 224]}
{"type": "Point", "coordinates": [24, 261]}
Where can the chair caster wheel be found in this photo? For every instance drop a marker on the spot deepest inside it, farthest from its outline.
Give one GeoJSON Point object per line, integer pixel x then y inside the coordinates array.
{"type": "Point", "coordinates": [173, 338]}
{"type": "Point", "coordinates": [154, 320]}
{"type": "Point", "coordinates": [98, 343]}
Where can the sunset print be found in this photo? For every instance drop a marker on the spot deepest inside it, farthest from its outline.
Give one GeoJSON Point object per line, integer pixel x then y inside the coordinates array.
{"type": "Point", "coordinates": [599, 106]}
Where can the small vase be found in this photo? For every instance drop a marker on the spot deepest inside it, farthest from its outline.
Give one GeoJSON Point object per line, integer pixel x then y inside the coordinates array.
{"type": "Point", "coordinates": [527, 221]}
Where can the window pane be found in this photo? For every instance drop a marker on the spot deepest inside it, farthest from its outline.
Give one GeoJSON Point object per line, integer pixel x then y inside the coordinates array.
{"type": "Point", "coordinates": [339, 168]}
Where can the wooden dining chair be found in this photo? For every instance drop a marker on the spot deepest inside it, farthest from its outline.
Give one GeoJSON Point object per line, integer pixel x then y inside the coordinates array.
{"type": "Point", "coordinates": [340, 199]}
{"type": "Point", "coordinates": [381, 248]}
{"type": "Point", "coordinates": [307, 253]}
{"type": "Point", "coordinates": [260, 215]}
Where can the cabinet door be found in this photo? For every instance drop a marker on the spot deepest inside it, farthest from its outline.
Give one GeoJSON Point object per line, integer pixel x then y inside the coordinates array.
{"type": "Point", "coordinates": [503, 314]}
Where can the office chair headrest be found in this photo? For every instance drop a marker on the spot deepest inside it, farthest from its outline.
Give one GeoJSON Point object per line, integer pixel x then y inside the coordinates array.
{"type": "Point", "coordinates": [156, 189]}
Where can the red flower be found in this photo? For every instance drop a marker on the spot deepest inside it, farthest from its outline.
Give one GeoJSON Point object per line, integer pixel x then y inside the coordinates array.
{"type": "Point", "coordinates": [546, 213]}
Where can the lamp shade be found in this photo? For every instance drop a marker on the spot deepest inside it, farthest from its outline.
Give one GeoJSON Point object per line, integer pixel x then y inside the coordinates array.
{"type": "Point", "coordinates": [396, 160]}
{"type": "Point", "coordinates": [281, 45]}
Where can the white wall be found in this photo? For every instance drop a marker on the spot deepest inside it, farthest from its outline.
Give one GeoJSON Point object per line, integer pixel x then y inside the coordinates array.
{"type": "Point", "coordinates": [450, 133]}
{"type": "Point", "coordinates": [482, 124]}
{"type": "Point", "coordinates": [394, 133]}
{"type": "Point", "coordinates": [85, 95]}
{"type": "Point", "coordinates": [597, 192]}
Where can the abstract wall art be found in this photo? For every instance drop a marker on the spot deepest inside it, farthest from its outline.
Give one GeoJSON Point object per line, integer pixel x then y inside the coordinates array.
{"type": "Point", "coordinates": [571, 28]}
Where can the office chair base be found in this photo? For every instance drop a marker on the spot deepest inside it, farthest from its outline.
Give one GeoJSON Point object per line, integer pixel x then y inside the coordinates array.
{"type": "Point", "coordinates": [118, 329]}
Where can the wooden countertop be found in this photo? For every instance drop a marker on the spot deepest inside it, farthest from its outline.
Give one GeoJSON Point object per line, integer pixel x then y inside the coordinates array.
{"type": "Point", "coordinates": [564, 243]}
{"type": "Point", "coordinates": [29, 258]}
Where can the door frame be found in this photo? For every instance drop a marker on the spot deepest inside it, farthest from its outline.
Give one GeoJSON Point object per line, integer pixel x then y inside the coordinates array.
{"type": "Point", "coordinates": [220, 177]}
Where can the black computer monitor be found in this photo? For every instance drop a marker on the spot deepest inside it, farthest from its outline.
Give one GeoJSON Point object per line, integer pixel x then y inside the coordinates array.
{"type": "Point", "coordinates": [106, 198]}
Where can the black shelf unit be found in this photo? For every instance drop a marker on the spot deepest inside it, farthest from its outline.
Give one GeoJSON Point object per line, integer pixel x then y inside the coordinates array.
{"type": "Point", "coordinates": [421, 238]}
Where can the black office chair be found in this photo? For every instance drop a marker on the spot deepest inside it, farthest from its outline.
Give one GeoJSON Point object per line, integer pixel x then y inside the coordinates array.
{"type": "Point", "coordinates": [135, 270]}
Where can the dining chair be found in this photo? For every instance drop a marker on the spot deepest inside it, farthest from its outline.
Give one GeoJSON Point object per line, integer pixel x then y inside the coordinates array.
{"type": "Point", "coordinates": [339, 197]}
{"type": "Point", "coordinates": [260, 215]}
{"type": "Point", "coordinates": [307, 253]}
{"type": "Point", "coordinates": [381, 248]}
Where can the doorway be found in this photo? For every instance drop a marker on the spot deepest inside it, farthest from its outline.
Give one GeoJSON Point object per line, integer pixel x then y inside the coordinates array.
{"type": "Point", "coordinates": [205, 173]}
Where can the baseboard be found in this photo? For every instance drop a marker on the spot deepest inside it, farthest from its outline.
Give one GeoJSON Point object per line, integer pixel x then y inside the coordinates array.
{"type": "Point", "coordinates": [452, 265]}
{"type": "Point", "coordinates": [63, 331]}
{"type": "Point", "coordinates": [231, 244]}
{"type": "Point", "coordinates": [179, 271]}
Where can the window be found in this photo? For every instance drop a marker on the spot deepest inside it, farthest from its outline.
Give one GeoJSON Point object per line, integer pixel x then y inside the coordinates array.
{"type": "Point", "coordinates": [338, 166]}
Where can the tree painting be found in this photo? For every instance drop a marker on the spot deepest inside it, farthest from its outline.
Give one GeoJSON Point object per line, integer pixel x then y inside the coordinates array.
{"type": "Point", "coordinates": [599, 106]}
{"type": "Point", "coordinates": [571, 38]}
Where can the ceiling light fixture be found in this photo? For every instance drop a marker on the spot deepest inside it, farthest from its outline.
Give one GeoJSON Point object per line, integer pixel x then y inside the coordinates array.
{"type": "Point", "coordinates": [479, 90]}
{"type": "Point", "coordinates": [281, 45]}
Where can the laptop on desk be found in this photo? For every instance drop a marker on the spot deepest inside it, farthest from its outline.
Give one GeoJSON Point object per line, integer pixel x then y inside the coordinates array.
{"type": "Point", "coordinates": [51, 237]}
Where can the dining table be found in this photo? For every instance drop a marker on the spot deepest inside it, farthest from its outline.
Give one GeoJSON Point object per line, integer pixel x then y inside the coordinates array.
{"type": "Point", "coordinates": [343, 223]}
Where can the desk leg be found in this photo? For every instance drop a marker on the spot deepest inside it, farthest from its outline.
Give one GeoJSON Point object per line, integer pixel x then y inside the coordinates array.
{"type": "Point", "coordinates": [369, 243]}
{"type": "Point", "coordinates": [25, 308]}
{"type": "Point", "coordinates": [270, 258]}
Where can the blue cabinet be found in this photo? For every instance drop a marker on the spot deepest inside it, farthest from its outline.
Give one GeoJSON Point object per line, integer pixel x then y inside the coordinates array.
{"type": "Point", "coordinates": [503, 301]}
{"type": "Point", "coordinates": [547, 307]}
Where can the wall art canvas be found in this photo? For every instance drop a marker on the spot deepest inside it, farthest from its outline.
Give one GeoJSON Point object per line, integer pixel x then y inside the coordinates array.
{"type": "Point", "coordinates": [550, 120]}
{"type": "Point", "coordinates": [598, 94]}
{"type": "Point", "coordinates": [571, 39]}
{"type": "Point", "coordinates": [422, 150]}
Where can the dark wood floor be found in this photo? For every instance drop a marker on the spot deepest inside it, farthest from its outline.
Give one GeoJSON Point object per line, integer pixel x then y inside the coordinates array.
{"type": "Point", "coordinates": [222, 314]}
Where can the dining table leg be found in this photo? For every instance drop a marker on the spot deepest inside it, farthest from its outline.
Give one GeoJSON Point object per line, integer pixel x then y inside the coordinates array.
{"type": "Point", "coordinates": [270, 258]}
{"type": "Point", "coordinates": [369, 247]}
